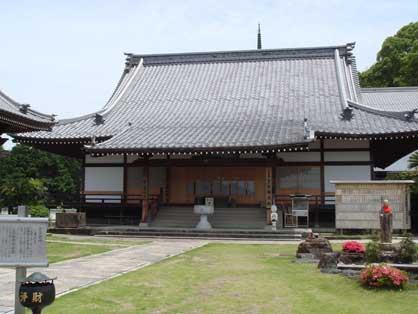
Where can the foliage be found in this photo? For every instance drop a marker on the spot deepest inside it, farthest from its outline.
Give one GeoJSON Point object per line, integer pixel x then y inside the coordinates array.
{"type": "Point", "coordinates": [31, 176]}
{"type": "Point", "coordinates": [39, 211]}
{"type": "Point", "coordinates": [353, 247]}
{"type": "Point", "coordinates": [397, 61]}
{"type": "Point", "coordinates": [373, 252]}
{"type": "Point", "coordinates": [407, 250]}
{"type": "Point", "coordinates": [413, 161]}
{"type": "Point", "coordinates": [406, 175]}
{"type": "Point", "coordinates": [383, 276]}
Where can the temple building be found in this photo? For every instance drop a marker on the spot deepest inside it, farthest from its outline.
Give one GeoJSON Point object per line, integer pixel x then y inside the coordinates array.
{"type": "Point", "coordinates": [249, 128]}
{"type": "Point", "coordinates": [16, 117]}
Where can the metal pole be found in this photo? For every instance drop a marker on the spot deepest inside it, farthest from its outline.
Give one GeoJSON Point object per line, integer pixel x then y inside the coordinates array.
{"type": "Point", "coordinates": [22, 211]}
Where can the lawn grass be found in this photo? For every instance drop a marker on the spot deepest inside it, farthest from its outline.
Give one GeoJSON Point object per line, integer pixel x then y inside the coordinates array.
{"type": "Point", "coordinates": [58, 252]}
{"type": "Point", "coordinates": [235, 278]}
{"type": "Point", "coordinates": [92, 239]}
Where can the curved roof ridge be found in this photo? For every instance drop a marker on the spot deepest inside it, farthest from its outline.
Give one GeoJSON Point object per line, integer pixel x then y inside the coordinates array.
{"type": "Point", "coordinates": [401, 115]}
{"type": "Point", "coordinates": [389, 89]}
{"type": "Point", "coordinates": [254, 54]}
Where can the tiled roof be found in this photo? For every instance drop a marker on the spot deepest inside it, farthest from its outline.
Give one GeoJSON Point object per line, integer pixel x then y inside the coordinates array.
{"type": "Point", "coordinates": [217, 100]}
{"type": "Point", "coordinates": [391, 98]}
{"type": "Point", "coordinates": [15, 116]}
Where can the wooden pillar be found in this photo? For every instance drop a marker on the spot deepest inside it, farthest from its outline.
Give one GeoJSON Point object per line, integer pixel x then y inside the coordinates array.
{"type": "Point", "coordinates": [83, 179]}
{"type": "Point", "coordinates": [167, 185]}
{"type": "Point", "coordinates": [269, 194]}
{"type": "Point", "coordinates": [371, 163]}
{"type": "Point", "coordinates": [145, 201]}
{"type": "Point", "coordinates": [125, 180]}
{"type": "Point", "coordinates": [322, 172]}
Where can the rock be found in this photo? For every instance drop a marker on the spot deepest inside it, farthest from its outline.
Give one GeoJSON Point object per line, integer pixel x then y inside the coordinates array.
{"type": "Point", "coordinates": [315, 246]}
{"type": "Point", "coordinates": [351, 273]}
{"type": "Point", "coordinates": [352, 258]}
{"type": "Point", "coordinates": [328, 263]}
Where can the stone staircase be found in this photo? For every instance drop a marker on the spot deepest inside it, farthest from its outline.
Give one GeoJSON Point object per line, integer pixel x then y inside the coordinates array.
{"type": "Point", "coordinates": [223, 218]}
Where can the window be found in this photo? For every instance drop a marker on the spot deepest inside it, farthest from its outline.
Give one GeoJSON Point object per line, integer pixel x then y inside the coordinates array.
{"type": "Point", "coordinates": [298, 180]}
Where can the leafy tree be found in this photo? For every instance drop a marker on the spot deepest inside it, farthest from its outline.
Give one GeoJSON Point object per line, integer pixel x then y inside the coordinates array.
{"type": "Point", "coordinates": [397, 61]}
{"type": "Point", "coordinates": [413, 161]}
{"type": "Point", "coordinates": [31, 176]}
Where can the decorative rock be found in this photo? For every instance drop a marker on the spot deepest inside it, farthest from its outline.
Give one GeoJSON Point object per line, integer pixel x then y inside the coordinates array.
{"type": "Point", "coordinates": [328, 263]}
{"type": "Point", "coordinates": [352, 258]}
{"type": "Point", "coordinates": [315, 246]}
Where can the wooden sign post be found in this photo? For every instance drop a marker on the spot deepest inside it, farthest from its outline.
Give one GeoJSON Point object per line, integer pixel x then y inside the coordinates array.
{"type": "Point", "coordinates": [22, 244]}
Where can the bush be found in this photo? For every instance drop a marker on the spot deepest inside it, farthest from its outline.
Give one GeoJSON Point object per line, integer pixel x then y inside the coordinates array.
{"type": "Point", "coordinates": [383, 276]}
{"type": "Point", "coordinates": [373, 252]}
{"type": "Point", "coordinates": [407, 250]}
{"type": "Point", "coordinates": [353, 247]}
{"type": "Point", "coordinates": [39, 210]}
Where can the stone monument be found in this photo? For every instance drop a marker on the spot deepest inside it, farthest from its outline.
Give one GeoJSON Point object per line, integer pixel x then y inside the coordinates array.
{"type": "Point", "coordinates": [388, 250]}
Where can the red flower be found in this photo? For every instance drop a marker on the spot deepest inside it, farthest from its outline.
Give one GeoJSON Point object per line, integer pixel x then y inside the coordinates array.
{"type": "Point", "coordinates": [383, 276]}
{"type": "Point", "coordinates": [353, 247]}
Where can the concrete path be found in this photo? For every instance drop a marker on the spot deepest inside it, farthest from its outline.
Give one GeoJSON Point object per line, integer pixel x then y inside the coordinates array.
{"type": "Point", "coordinates": [86, 271]}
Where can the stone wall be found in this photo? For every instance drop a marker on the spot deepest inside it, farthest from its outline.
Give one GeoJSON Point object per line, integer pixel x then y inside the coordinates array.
{"type": "Point", "coordinates": [358, 203]}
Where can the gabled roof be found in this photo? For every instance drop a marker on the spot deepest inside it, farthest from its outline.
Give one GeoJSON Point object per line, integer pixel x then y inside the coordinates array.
{"type": "Point", "coordinates": [16, 117]}
{"type": "Point", "coordinates": [232, 99]}
{"type": "Point", "coordinates": [391, 98]}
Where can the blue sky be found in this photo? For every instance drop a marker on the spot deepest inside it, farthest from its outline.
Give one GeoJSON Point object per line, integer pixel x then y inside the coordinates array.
{"type": "Point", "coordinates": [65, 57]}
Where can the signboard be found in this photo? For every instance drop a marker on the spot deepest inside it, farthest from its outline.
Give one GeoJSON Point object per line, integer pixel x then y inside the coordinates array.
{"type": "Point", "coordinates": [23, 242]}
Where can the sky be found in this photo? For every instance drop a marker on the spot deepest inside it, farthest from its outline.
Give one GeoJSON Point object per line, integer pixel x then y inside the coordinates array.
{"type": "Point", "coordinates": [65, 57]}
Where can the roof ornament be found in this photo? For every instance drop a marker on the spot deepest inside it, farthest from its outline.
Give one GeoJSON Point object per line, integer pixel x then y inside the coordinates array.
{"type": "Point", "coordinates": [308, 133]}
{"type": "Point", "coordinates": [349, 53]}
{"type": "Point", "coordinates": [23, 108]}
{"type": "Point", "coordinates": [410, 115]}
{"type": "Point", "coordinates": [93, 141]}
{"type": "Point", "coordinates": [259, 46]}
{"type": "Point", "coordinates": [98, 119]}
{"type": "Point", "coordinates": [347, 113]}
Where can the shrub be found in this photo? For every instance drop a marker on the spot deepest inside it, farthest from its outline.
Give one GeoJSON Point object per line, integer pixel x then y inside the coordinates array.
{"type": "Point", "coordinates": [373, 252]}
{"type": "Point", "coordinates": [383, 276]}
{"type": "Point", "coordinates": [39, 210]}
{"type": "Point", "coordinates": [353, 247]}
{"type": "Point", "coordinates": [407, 250]}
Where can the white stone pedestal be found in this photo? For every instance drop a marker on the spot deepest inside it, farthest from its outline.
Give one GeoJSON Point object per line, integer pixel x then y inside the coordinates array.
{"type": "Point", "coordinates": [203, 211]}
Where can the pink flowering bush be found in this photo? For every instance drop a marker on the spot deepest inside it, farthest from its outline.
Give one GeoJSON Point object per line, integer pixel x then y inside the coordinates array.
{"type": "Point", "coordinates": [353, 247]}
{"type": "Point", "coordinates": [382, 275]}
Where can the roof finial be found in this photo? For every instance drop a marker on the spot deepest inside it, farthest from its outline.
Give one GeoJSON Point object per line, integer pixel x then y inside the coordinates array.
{"type": "Point", "coordinates": [259, 37]}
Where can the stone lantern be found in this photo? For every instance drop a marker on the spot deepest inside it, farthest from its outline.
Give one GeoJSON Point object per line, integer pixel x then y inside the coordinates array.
{"type": "Point", "coordinates": [36, 292]}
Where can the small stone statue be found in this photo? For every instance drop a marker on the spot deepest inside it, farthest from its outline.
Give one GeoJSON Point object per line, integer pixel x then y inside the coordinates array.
{"type": "Point", "coordinates": [274, 217]}
{"type": "Point", "coordinates": [386, 223]}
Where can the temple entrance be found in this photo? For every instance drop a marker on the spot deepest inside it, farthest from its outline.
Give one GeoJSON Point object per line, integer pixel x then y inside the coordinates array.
{"type": "Point", "coordinates": [230, 186]}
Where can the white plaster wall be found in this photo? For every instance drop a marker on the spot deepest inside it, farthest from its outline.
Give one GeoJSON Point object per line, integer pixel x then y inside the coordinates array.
{"type": "Point", "coordinates": [347, 156]}
{"type": "Point", "coordinates": [335, 144]}
{"type": "Point", "coordinates": [344, 173]}
{"type": "Point", "coordinates": [104, 179]}
{"type": "Point", "coordinates": [104, 159]}
{"type": "Point", "coordinates": [299, 156]}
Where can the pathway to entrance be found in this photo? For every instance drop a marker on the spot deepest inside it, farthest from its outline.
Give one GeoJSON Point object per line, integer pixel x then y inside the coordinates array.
{"type": "Point", "coordinates": [86, 271]}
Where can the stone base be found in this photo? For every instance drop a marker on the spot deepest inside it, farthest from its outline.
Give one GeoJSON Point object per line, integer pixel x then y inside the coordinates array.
{"type": "Point", "coordinates": [143, 225]}
{"type": "Point", "coordinates": [352, 258]}
{"type": "Point", "coordinates": [316, 246]}
{"type": "Point", "coordinates": [204, 223]}
{"type": "Point", "coordinates": [328, 263]}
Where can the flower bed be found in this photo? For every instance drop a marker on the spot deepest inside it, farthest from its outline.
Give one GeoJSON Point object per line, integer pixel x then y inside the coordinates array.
{"type": "Point", "coordinates": [353, 247]}
{"type": "Point", "coordinates": [383, 276]}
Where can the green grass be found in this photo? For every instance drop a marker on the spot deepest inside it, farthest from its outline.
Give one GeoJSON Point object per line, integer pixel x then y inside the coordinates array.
{"type": "Point", "coordinates": [58, 252]}
{"type": "Point", "coordinates": [235, 278]}
{"type": "Point", "coordinates": [92, 239]}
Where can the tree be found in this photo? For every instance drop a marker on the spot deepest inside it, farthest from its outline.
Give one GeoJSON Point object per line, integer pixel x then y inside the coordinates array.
{"type": "Point", "coordinates": [413, 161]}
{"type": "Point", "coordinates": [397, 61]}
{"type": "Point", "coordinates": [30, 176]}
